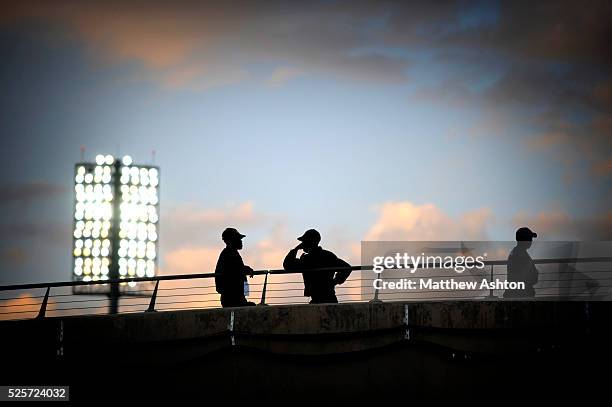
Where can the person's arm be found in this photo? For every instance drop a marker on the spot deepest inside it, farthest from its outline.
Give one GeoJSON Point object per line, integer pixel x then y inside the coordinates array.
{"type": "Point", "coordinates": [342, 275]}
{"type": "Point", "coordinates": [242, 268]}
{"type": "Point", "coordinates": [234, 267]}
{"type": "Point", "coordinates": [291, 261]}
{"type": "Point", "coordinates": [248, 270]}
{"type": "Point", "coordinates": [219, 275]}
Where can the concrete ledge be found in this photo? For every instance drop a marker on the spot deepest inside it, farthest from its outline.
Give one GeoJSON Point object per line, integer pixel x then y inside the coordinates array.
{"type": "Point", "coordinates": [307, 329]}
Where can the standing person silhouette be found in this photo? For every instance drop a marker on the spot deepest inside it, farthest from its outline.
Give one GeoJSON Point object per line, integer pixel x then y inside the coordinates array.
{"type": "Point", "coordinates": [318, 284]}
{"type": "Point", "coordinates": [520, 265]}
{"type": "Point", "coordinates": [230, 273]}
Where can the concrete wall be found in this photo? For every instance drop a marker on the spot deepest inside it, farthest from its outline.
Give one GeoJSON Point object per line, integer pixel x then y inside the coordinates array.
{"type": "Point", "coordinates": [287, 350]}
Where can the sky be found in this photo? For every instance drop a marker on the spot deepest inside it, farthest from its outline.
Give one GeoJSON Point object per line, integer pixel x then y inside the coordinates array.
{"type": "Point", "coordinates": [368, 120]}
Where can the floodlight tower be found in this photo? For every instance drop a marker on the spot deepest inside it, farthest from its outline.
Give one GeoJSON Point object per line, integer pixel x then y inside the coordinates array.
{"type": "Point", "coordinates": [115, 233]}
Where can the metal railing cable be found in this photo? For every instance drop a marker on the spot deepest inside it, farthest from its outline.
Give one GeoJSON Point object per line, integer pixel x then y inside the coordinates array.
{"type": "Point", "coordinates": [355, 289]}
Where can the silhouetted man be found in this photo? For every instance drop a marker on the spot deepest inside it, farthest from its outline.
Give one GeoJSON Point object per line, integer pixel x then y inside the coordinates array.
{"type": "Point", "coordinates": [318, 284]}
{"type": "Point", "coordinates": [231, 272]}
{"type": "Point", "coordinates": [520, 265]}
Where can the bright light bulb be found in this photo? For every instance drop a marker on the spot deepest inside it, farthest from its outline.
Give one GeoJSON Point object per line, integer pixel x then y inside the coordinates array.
{"type": "Point", "coordinates": [127, 160]}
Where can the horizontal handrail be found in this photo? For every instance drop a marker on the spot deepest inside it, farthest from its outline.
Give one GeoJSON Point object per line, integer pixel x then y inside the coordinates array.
{"type": "Point", "coordinates": [272, 271]}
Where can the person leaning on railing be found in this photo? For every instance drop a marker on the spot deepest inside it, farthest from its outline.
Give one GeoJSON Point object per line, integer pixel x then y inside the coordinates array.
{"type": "Point", "coordinates": [318, 284]}
{"type": "Point", "coordinates": [230, 273]}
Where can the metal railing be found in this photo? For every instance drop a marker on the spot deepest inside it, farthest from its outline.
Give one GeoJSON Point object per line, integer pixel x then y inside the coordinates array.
{"type": "Point", "coordinates": [290, 291]}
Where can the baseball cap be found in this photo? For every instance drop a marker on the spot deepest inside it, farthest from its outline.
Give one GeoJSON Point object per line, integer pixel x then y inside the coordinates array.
{"type": "Point", "coordinates": [230, 233]}
{"type": "Point", "coordinates": [311, 235]}
{"type": "Point", "coordinates": [525, 234]}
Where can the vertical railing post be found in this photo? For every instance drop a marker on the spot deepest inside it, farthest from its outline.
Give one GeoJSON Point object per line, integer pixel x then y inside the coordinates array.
{"type": "Point", "coordinates": [490, 281]}
{"type": "Point", "coordinates": [376, 299]}
{"type": "Point", "coordinates": [43, 306]}
{"type": "Point", "coordinates": [153, 299]}
{"type": "Point", "coordinates": [263, 292]}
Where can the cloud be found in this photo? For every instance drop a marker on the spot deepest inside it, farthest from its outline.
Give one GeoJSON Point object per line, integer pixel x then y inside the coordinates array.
{"type": "Point", "coordinates": [192, 237]}
{"type": "Point", "coordinates": [204, 44]}
{"type": "Point", "coordinates": [408, 221]}
{"type": "Point", "coordinates": [283, 74]}
{"type": "Point", "coordinates": [192, 260]}
{"type": "Point", "coordinates": [193, 225]}
{"type": "Point", "coordinates": [241, 213]}
{"type": "Point", "coordinates": [546, 66]}
{"type": "Point", "coordinates": [535, 60]}
{"type": "Point", "coordinates": [551, 29]}
{"type": "Point", "coordinates": [30, 192]}
{"type": "Point", "coordinates": [559, 225]}
{"type": "Point", "coordinates": [267, 252]}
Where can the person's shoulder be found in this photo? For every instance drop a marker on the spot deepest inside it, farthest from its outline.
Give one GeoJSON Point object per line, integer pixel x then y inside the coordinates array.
{"type": "Point", "coordinates": [511, 253]}
{"type": "Point", "coordinates": [517, 250]}
{"type": "Point", "coordinates": [518, 254]}
{"type": "Point", "coordinates": [228, 252]}
{"type": "Point", "coordinates": [328, 254]}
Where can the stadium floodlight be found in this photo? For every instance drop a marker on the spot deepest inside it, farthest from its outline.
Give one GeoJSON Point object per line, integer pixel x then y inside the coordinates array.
{"type": "Point", "coordinates": [115, 223]}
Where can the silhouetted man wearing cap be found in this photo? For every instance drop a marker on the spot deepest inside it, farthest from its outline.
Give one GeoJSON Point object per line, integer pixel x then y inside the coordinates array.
{"type": "Point", "coordinates": [520, 265]}
{"type": "Point", "coordinates": [318, 284]}
{"type": "Point", "coordinates": [231, 272]}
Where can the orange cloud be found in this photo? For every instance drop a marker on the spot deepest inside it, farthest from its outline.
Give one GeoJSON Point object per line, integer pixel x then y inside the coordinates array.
{"type": "Point", "coordinates": [198, 45]}
{"type": "Point", "coordinates": [407, 221]}
{"type": "Point", "coordinates": [242, 213]}
{"type": "Point", "coordinates": [191, 260]}
{"type": "Point", "coordinates": [195, 226]}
